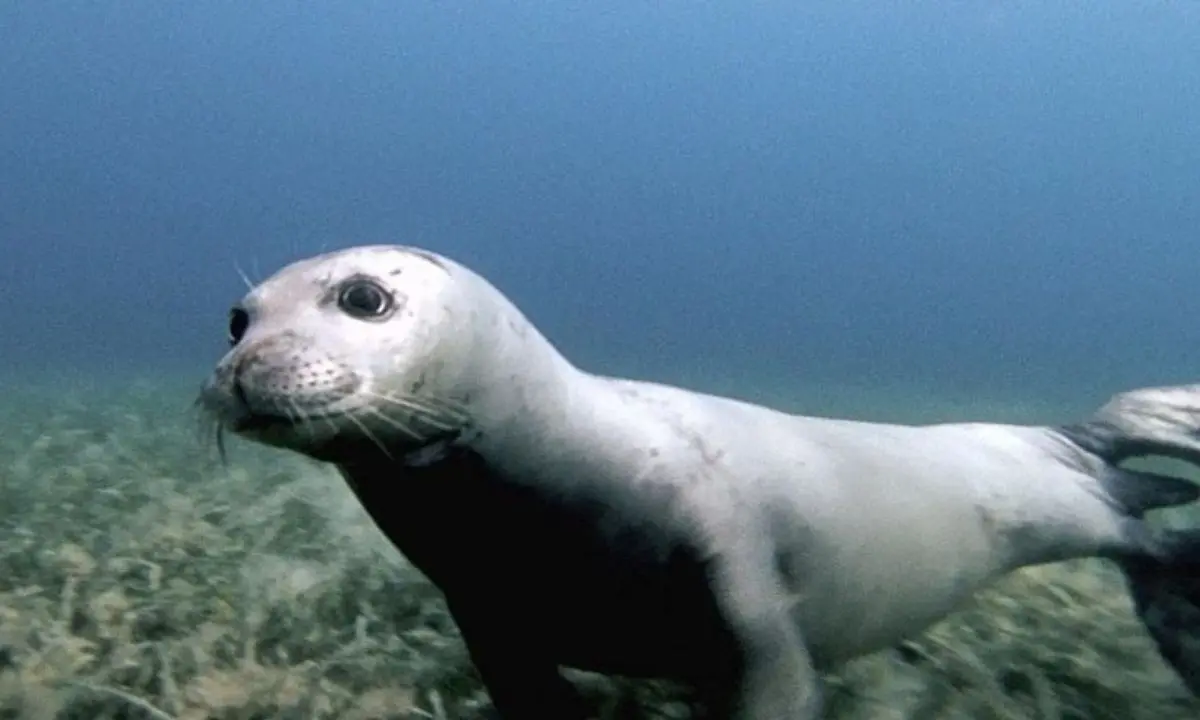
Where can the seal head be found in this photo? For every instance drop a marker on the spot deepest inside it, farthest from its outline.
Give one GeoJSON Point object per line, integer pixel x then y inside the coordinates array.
{"type": "Point", "coordinates": [339, 352]}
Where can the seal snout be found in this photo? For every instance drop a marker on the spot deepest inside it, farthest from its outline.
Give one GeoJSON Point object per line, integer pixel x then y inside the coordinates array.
{"type": "Point", "coordinates": [279, 381]}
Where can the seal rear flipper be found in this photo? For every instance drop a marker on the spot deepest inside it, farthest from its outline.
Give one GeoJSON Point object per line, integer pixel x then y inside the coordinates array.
{"type": "Point", "coordinates": [1152, 421]}
{"type": "Point", "coordinates": [1164, 573]}
{"type": "Point", "coordinates": [1166, 594]}
{"type": "Point", "coordinates": [1138, 492]}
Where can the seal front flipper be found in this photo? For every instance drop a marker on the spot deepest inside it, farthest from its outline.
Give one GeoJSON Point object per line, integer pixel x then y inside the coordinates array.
{"type": "Point", "coordinates": [1164, 578]}
{"type": "Point", "coordinates": [522, 681]}
{"type": "Point", "coordinates": [768, 673]}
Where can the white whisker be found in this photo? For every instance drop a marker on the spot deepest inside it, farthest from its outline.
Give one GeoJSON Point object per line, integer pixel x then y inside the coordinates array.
{"type": "Point", "coordinates": [394, 423]}
{"type": "Point", "coordinates": [370, 436]}
{"type": "Point", "coordinates": [298, 417]}
{"type": "Point", "coordinates": [443, 418]}
{"type": "Point", "coordinates": [329, 421]}
{"type": "Point", "coordinates": [446, 405]}
{"type": "Point", "coordinates": [242, 274]}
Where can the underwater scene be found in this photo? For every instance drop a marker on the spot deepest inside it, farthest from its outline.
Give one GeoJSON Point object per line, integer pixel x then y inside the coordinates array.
{"type": "Point", "coordinates": [895, 212]}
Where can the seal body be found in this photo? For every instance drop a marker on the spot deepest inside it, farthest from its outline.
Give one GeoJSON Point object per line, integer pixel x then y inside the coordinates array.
{"type": "Point", "coordinates": [638, 529]}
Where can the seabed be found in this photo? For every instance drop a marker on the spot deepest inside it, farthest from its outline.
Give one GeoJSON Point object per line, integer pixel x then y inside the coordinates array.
{"type": "Point", "coordinates": [142, 578]}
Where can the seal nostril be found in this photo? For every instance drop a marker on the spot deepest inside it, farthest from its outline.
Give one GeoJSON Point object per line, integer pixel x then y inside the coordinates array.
{"type": "Point", "coordinates": [239, 320]}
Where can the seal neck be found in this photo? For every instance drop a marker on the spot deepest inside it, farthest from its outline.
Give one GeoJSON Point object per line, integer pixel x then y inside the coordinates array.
{"type": "Point", "coordinates": [515, 380]}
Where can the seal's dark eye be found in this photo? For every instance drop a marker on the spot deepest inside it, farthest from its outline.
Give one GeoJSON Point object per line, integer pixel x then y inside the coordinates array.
{"type": "Point", "coordinates": [239, 320]}
{"type": "Point", "coordinates": [364, 299]}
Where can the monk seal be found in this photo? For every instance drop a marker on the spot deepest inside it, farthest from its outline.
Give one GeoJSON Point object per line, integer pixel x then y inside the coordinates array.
{"type": "Point", "coordinates": [642, 530]}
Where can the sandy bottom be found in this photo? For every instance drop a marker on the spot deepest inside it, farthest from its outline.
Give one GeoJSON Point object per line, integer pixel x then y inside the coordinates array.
{"type": "Point", "coordinates": [140, 578]}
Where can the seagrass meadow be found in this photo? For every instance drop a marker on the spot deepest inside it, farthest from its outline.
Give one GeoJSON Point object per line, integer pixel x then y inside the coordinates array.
{"type": "Point", "coordinates": [141, 577]}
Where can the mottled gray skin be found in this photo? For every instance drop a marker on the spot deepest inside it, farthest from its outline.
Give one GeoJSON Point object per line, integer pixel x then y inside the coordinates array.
{"type": "Point", "coordinates": [630, 528]}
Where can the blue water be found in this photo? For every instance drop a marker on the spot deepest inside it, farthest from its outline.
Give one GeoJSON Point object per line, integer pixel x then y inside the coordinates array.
{"type": "Point", "coordinates": [967, 198]}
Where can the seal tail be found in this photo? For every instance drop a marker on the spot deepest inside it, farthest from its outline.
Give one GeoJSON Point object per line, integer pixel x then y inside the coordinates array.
{"type": "Point", "coordinates": [1164, 580]}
